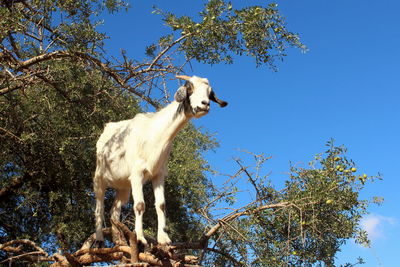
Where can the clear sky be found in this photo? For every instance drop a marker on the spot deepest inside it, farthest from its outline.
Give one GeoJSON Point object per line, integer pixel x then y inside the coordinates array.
{"type": "Point", "coordinates": [345, 87]}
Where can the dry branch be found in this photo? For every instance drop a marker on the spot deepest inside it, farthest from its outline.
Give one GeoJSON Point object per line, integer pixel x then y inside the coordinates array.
{"type": "Point", "coordinates": [90, 240]}
{"type": "Point", "coordinates": [236, 215]}
{"type": "Point", "coordinates": [92, 255]}
{"type": "Point", "coordinates": [157, 256]}
{"type": "Point", "coordinates": [157, 58]}
{"type": "Point", "coordinates": [21, 256]}
{"type": "Point", "coordinates": [115, 72]}
{"type": "Point", "coordinates": [142, 264]}
{"type": "Point", "coordinates": [23, 242]}
{"type": "Point", "coordinates": [132, 240]}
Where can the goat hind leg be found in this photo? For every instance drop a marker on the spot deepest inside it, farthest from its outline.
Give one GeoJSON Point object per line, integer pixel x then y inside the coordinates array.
{"type": "Point", "coordinates": [99, 191]}
{"type": "Point", "coordinates": [121, 198]}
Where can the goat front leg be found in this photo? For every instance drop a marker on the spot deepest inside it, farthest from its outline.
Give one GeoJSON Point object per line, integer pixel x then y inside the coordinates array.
{"type": "Point", "coordinates": [158, 188]}
{"type": "Point", "coordinates": [139, 206]}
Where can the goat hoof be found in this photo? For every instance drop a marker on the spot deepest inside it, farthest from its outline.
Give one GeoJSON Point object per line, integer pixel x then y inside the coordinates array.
{"type": "Point", "coordinates": [142, 244]}
{"type": "Point", "coordinates": [98, 244]}
{"type": "Point", "coordinates": [142, 240]}
{"type": "Point", "coordinates": [163, 239]}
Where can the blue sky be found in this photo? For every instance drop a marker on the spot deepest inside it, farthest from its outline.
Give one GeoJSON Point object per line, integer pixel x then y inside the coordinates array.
{"type": "Point", "coordinates": [345, 87]}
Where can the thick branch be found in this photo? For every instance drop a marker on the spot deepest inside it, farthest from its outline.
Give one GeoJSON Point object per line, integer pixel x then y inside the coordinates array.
{"type": "Point", "coordinates": [132, 239]}
{"type": "Point", "coordinates": [38, 59]}
{"type": "Point", "coordinates": [9, 89]}
{"type": "Point", "coordinates": [8, 248]}
{"type": "Point", "coordinates": [87, 256]}
{"type": "Point", "coordinates": [234, 216]}
{"type": "Point", "coordinates": [113, 73]}
{"type": "Point", "coordinates": [89, 241]}
{"type": "Point", "coordinates": [22, 256]}
{"type": "Point", "coordinates": [62, 54]}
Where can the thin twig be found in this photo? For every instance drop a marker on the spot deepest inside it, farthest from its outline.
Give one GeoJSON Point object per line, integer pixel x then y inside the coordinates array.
{"type": "Point", "coordinates": [226, 255]}
{"type": "Point", "coordinates": [252, 181]}
{"type": "Point", "coordinates": [166, 49]}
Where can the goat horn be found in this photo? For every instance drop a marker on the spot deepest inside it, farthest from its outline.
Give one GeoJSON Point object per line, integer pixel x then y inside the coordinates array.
{"type": "Point", "coordinates": [183, 77]}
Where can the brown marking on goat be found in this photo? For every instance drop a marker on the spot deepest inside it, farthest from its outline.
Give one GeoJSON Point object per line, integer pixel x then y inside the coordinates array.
{"type": "Point", "coordinates": [162, 207]}
{"type": "Point", "coordinates": [190, 88]}
{"type": "Point", "coordinates": [140, 207]}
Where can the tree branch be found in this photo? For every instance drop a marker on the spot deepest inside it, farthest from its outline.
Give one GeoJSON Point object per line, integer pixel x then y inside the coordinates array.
{"type": "Point", "coordinates": [15, 184]}
{"type": "Point", "coordinates": [166, 50]}
{"type": "Point", "coordinates": [226, 255]}
{"type": "Point", "coordinates": [24, 242]}
{"type": "Point", "coordinates": [132, 239]}
{"type": "Point", "coordinates": [236, 215]}
{"type": "Point", "coordinates": [258, 195]}
{"type": "Point", "coordinates": [113, 73]}
{"type": "Point", "coordinates": [38, 59]}
{"type": "Point", "coordinates": [9, 89]}
{"type": "Point", "coordinates": [22, 256]}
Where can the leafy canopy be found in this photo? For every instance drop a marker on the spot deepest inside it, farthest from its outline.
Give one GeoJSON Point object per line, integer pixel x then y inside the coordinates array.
{"type": "Point", "coordinates": [222, 32]}
{"type": "Point", "coordinates": [303, 224]}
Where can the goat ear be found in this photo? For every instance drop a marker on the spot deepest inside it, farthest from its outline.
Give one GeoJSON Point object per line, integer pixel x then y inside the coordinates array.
{"type": "Point", "coordinates": [220, 102]}
{"type": "Point", "coordinates": [181, 94]}
{"type": "Point", "coordinates": [184, 91]}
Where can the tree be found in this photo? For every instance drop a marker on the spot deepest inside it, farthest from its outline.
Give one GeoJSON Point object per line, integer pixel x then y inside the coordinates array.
{"type": "Point", "coordinates": [303, 224]}
{"type": "Point", "coordinates": [58, 87]}
{"type": "Point", "coordinates": [57, 96]}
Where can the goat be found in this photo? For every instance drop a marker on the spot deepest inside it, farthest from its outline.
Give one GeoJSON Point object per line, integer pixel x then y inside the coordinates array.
{"type": "Point", "coordinates": [131, 152]}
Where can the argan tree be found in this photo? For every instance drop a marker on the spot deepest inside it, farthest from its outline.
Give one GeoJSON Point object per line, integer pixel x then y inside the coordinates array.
{"type": "Point", "coordinates": [58, 88]}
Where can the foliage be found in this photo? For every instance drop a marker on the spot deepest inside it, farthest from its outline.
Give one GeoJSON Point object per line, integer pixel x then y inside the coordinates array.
{"type": "Point", "coordinates": [306, 222]}
{"type": "Point", "coordinates": [50, 142]}
{"type": "Point", "coordinates": [256, 31]}
{"type": "Point", "coordinates": [58, 87]}
{"type": "Point", "coordinates": [52, 117]}
{"type": "Point", "coordinates": [49, 127]}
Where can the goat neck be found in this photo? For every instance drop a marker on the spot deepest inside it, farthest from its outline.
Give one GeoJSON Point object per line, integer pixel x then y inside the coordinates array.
{"type": "Point", "coordinates": [169, 122]}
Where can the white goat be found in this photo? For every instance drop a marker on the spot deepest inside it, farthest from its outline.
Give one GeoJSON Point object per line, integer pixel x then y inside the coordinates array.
{"type": "Point", "coordinates": [131, 152]}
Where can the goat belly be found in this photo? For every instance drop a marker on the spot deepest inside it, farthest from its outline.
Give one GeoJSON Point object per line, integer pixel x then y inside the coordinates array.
{"type": "Point", "coordinates": [118, 171]}
{"type": "Point", "coordinates": [118, 183]}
